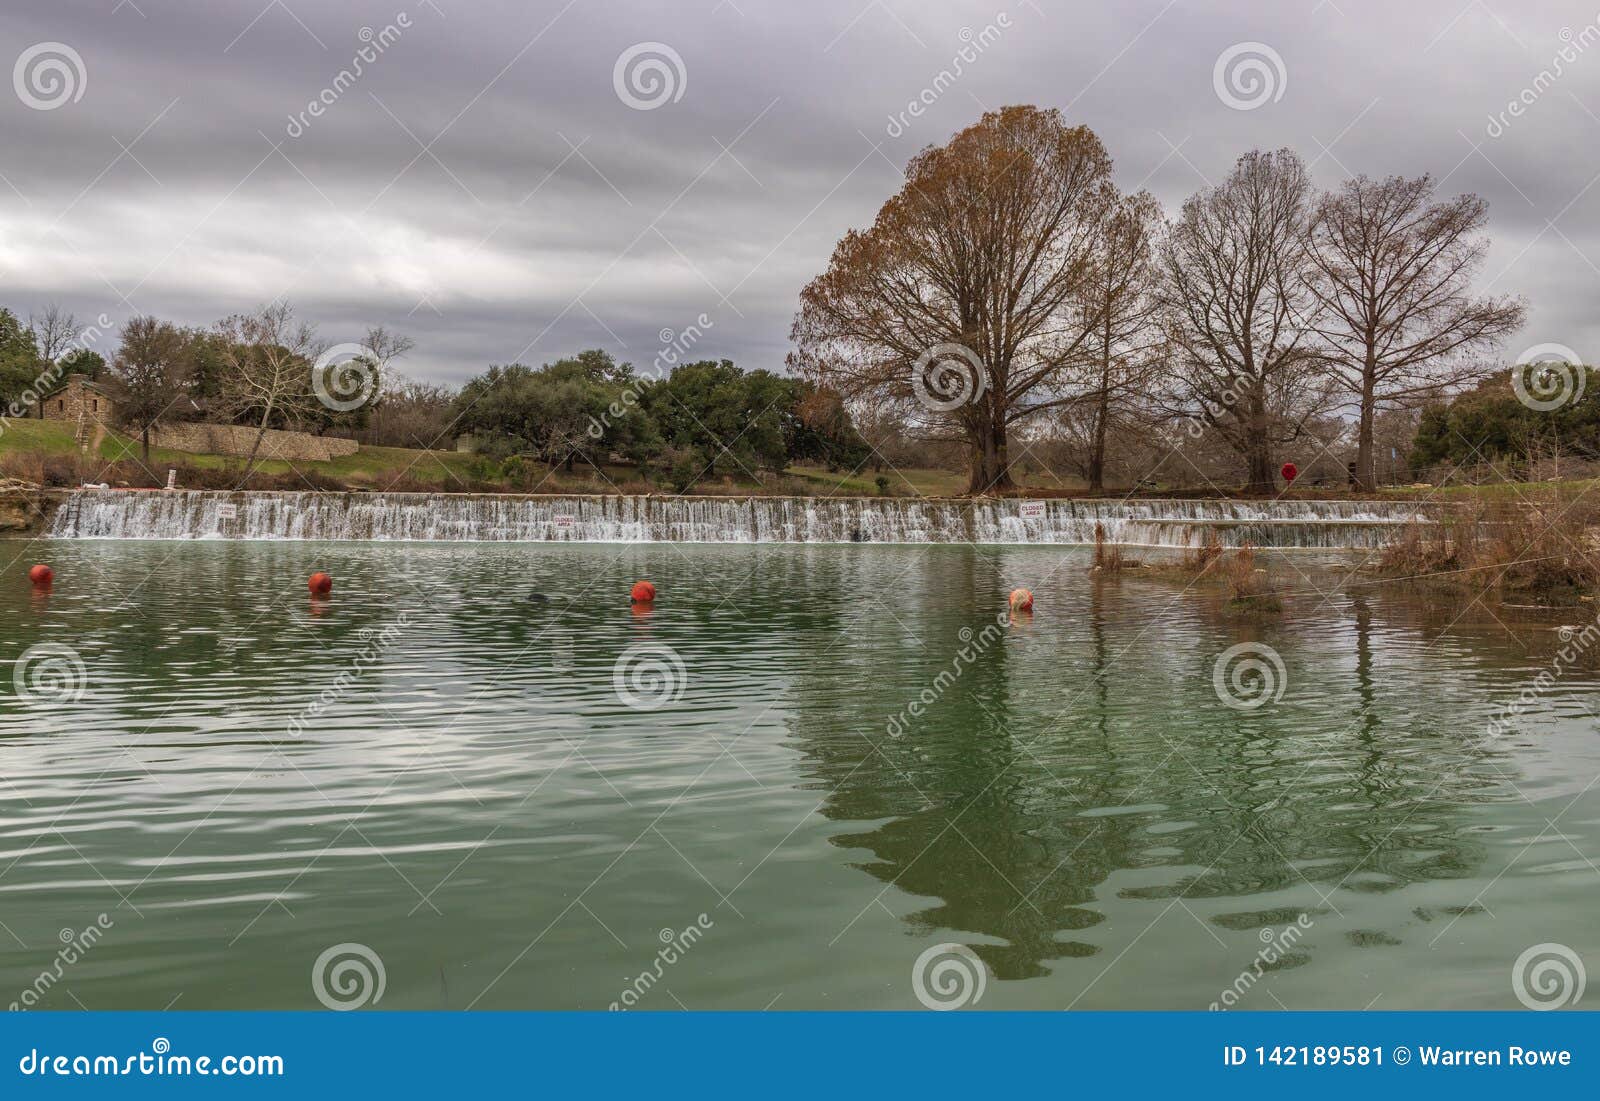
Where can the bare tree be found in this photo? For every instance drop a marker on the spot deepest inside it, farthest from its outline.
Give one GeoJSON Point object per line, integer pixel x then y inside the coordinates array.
{"type": "Point", "coordinates": [1394, 271]}
{"type": "Point", "coordinates": [268, 357]}
{"type": "Point", "coordinates": [148, 374]}
{"type": "Point", "coordinates": [956, 303]}
{"type": "Point", "coordinates": [54, 331]}
{"type": "Point", "coordinates": [385, 346]}
{"type": "Point", "coordinates": [1118, 308]}
{"type": "Point", "coordinates": [1239, 309]}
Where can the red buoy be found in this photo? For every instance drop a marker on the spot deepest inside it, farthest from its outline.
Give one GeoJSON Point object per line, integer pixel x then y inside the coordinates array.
{"type": "Point", "coordinates": [1021, 600]}
{"type": "Point", "coordinates": [1289, 472]}
{"type": "Point", "coordinates": [320, 584]}
{"type": "Point", "coordinates": [41, 575]}
{"type": "Point", "coordinates": [643, 592]}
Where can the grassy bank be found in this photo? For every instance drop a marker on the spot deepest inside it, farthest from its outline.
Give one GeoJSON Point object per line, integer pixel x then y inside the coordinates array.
{"type": "Point", "coordinates": [46, 453]}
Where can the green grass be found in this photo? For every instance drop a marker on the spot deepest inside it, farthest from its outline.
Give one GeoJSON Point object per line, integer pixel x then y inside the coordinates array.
{"type": "Point", "coordinates": [381, 467]}
{"type": "Point", "coordinates": [370, 466]}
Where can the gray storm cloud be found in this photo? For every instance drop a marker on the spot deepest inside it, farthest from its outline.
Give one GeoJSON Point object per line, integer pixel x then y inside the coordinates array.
{"type": "Point", "coordinates": [489, 179]}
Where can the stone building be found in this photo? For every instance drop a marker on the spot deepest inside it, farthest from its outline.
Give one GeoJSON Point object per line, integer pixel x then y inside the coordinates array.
{"type": "Point", "coordinates": [80, 397]}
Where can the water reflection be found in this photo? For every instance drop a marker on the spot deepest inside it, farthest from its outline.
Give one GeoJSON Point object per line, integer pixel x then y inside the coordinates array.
{"type": "Point", "coordinates": [1092, 743]}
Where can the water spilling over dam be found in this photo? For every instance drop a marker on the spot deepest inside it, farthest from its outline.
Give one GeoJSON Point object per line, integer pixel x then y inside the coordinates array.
{"type": "Point", "coordinates": [446, 517]}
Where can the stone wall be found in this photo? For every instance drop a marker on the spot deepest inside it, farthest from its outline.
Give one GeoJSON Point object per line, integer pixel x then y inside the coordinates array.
{"type": "Point", "coordinates": [233, 439]}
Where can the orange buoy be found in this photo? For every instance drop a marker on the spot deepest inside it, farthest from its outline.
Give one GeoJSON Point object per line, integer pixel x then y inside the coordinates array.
{"type": "Point", "coordinates": [643, 592]}
{"type": "Point", "coordinates": [1021, 600]}
{"type": "Point", "coordinates": [41, 574]}
{"type": "Point", "coordinates": [320, 584]}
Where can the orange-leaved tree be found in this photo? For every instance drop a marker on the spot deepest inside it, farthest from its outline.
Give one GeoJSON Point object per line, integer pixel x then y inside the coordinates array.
{"type": "Point", "coordinates": [962, 302]}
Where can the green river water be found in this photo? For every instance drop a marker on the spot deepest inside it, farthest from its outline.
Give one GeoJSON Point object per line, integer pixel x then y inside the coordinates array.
{"type": "Point", "coordinates": [478, 765]}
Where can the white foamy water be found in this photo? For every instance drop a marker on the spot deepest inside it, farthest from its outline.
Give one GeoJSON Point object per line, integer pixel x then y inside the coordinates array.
{"type": "Point", "coordinates": [445, 517]}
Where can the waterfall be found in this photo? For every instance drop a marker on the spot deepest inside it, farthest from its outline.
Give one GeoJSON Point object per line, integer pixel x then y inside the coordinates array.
{"type": "Point", "coordinates": [447, 517]}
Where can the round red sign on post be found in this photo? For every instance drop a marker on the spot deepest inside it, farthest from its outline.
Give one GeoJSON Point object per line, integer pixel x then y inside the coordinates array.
{"type": "Point", "coordinates": [1289, 471]}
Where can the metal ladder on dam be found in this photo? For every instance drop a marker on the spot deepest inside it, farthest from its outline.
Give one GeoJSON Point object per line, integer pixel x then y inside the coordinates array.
{"type": "Point", "coordinates": [73, 506]}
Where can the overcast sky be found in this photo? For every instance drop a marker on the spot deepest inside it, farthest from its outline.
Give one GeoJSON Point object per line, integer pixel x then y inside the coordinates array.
{"type": "Point", "coordinates": [494, 185]}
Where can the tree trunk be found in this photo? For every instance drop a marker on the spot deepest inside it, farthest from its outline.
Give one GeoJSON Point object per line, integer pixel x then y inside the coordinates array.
{"type": "Point", "coordinates": [991, 466]}
{"type": "Point", "coordinates": [1366, 475]}
{"type": "Point", "coordinates": [144, 438]}
{"type": "Point", "coordinates": [261, 434]}
{"type": "Point", "coordinates": [1260, 478]}
{"type": "Point", "coordinates": [1097, 452]}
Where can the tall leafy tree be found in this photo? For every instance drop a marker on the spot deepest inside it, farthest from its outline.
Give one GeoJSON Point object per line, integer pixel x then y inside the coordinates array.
{"type": "Point", "coordinates": [148, 375]}
{"type": "Point", "coordinates": [552, 412]}
{"type": "Point", "coordinates": [972, 269]}
{"type": "Point", "coordinates": [19, 363]}
{"type": "Point", "coordinates": [731, 419]}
